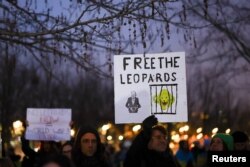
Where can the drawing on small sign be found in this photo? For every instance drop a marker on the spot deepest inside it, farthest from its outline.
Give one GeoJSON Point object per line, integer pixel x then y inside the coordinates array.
{"type": "Point", "coordinates": [48, 119]}
{"type": "Point", "coordinates": [163, 99]}
{"type": "Point", "coordinates": [133, 103]}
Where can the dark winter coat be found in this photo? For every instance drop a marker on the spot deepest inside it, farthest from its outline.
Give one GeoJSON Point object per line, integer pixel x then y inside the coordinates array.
{"type": "Point", "coordinates": [80, 160]}
{"type": "Point", "coordinates": [140, 156]}
{"type": "Point", "coordinates": [32, 158]}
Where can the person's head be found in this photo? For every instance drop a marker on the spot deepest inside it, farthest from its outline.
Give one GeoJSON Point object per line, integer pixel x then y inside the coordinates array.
{"type": "Point", "coordinates": [6, 162]}
{"type": "Point", "coordinates": [48, 146]}
{"type": "Point", "coordinates": [183, 145]}
{"type": "Point", "coordinates": [87, 141]}
{"type": "Point", "coordinates": [56, 160]}
{"type": "Point", "coordinates": [133, 94]}
{"type": "Point", "coordinates": [221, 142]}
{"type": "Point", "coordinates": [67, 149]}
{"type": "Point", "coordinates": [241, 141]}
{"type": "Point", "coordinates": [196, 144]}
{"type": "Point", "coordinates": [158, 140]}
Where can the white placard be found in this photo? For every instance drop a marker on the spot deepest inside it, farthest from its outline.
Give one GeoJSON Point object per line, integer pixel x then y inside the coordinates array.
{"type": "Point", "coordinates": [48, 124]}
{"type": "Point", "coordinates": [150, 84]}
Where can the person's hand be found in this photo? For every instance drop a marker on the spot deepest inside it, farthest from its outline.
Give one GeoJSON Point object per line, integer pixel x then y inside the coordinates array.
{"type": "Point", "coordinates": [149, 122]}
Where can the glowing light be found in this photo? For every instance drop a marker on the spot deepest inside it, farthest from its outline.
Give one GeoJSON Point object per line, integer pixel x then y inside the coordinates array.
{"type": "Point", "coordinates": [72, 132]}
{"type": "Point", "coordinates": [215, 130]}
{"type": "Point", "coordinates": [17, 124]}
{"type": "Point", "coordinates": [228, 131]}
{"type": "Point", "coordinates": [176, 138]}
{"type": "Point", "coordinates": [186, 128]}
{"type": "Point", "coordinates": [109, 138]}
{"type": "Point", "coordinates": [18, 127]}
{"type": "Point", "coordinates": [106, 127]}
{"type": "Point", "coordinates": [185, 137]}
{"type": "Point", "coordinates": [199, 136]}
{"type": "Point", "coordinates": [120, 137]}
{"type": "Point", "coordinates": [171, 145]}
{"type": "Point", "coordinates": [136, 128]}
{"type": "Point", "coordinates": [181, 130]}
{"type": "Point", "coordinates": [199, 130]}
{"type": "Point", "coordinates": [173, 133]}
{"type": "Point", "coordinates": [36, 149]}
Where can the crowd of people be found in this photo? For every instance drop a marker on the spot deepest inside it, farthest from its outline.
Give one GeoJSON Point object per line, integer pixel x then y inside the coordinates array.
{"type": "Point", "coordinates": [150, 148]}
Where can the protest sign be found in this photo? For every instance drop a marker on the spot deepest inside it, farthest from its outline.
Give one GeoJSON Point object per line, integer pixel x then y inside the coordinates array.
{"type": "Point", "coordinates": [150, 84]}
{"type": "Point", "coordinates": [48, 124]}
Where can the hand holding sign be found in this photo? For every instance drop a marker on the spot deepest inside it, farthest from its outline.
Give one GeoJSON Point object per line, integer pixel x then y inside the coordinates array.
{"type": "Point", "coordinates": [149, 122]}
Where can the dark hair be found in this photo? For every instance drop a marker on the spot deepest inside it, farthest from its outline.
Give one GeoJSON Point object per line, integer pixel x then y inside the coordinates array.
{"type": "Point", "coordinates": [67, 143]}
{"type": "Point", "coordinates": [159, 128]}
{"type": "Point", "coordinates": [183, 143]}
{"type": "Point", "coordinates": [59, 159]}
{"type": "Point", "coordinates": [240, 136]}
{"type": "Point", "coordinates": [53, 147]}
{"type": "Point", "coordinates": [70, 143]}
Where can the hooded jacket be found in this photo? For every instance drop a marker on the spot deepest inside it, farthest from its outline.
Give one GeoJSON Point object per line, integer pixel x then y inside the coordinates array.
{"type": "Point", "coordinates": [81, 160]}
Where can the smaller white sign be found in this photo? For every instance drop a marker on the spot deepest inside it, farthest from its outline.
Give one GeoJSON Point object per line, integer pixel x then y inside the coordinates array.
{"type": "Point", "coordinates": [48, 124]}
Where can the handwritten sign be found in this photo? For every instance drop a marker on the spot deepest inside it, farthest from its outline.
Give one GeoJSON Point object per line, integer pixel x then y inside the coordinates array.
{"type": "Point", "coordinates": [48, 124]}
{"type": "Point", "coordinates": [150, 84]}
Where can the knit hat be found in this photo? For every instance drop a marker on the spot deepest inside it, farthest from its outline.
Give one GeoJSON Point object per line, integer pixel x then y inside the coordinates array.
{"type": "Point", "coordinates": [239, 137]}
{"type": "Point", "coordinates": [227, 139]}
